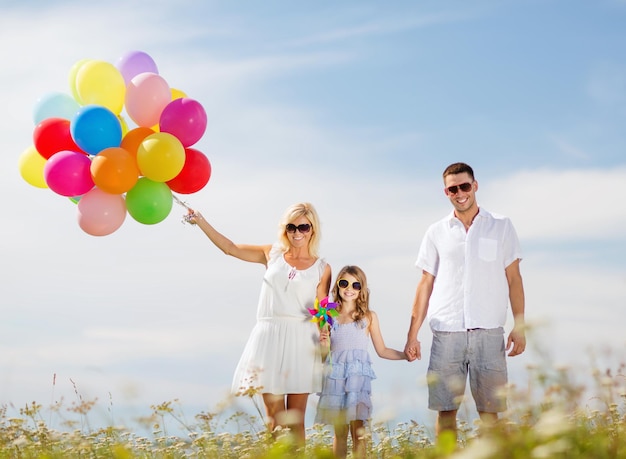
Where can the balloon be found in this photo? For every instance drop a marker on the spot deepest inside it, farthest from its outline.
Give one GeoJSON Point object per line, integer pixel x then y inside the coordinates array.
{"type": "Point", "coordinates": [149, 202]}
{"type": "Point", "coordinates": [31, 165]}
{"type": "Point", "coordinates": [101, 213]}
{"type": "Point", "coordinates": [72, 78]}
{"type": "Point", "coordinates": [67, 173]}
{"type": "Point", "coordinates": [55, 105]}
{"type": "Point", "coordinates": [123, 124]}
{"type": "Point", "coordinates": [101, 83]}
{"type": "Point", "coordinates": [95, 128]}
{"type": "Point", "coordinates": [177, 94]}
{"type": "Point", "coordinates": [184, 118]}
{"type": "Point", "coordinates": [160, 157]}
{"type": "Point", "coordinates": [114, 170]}
{"type": "Point", "coordinates": [133, 138]}
{"type": "Point", "coordinates": [53, 135]}
{"type": "Point", "coordinates": [133, 63]}
{"type": "Point", "coordinates": [195, 173]}
{"type": "Point", "coordinates": [147, 94]}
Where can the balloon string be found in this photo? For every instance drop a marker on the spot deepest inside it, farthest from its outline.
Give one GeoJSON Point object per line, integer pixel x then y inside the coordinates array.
{"type": "Point", "coordinates": [181, 203]}
{"type": "Point", "coordinates": [189, 215]}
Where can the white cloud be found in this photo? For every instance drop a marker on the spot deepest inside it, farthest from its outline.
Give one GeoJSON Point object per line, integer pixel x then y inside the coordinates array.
{"type": "Point", "coordinates": [381, 27]}
{"type": "Point", "coordinates": [560, 205]}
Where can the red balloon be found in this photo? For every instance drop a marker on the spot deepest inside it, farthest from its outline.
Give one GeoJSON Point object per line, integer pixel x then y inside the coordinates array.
{"type": "Point", "coordinates": [195, 174]}
{"type": "Point", "coordinates": [53, 135]}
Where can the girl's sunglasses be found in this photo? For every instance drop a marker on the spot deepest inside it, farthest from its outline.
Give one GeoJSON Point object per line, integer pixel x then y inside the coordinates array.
{"type": "Point", "coordinates": [342, 283]}
{"type": "Point", "coordinates": [303, 228]}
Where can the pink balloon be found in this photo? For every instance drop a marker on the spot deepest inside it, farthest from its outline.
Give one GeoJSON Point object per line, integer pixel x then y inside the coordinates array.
{"type": "Point", "coordinates": [133, 63]}
{"type": "Point", "coordinates": [184, 118]}
{"type": "Point", "coordinates": [147, 94]}
{"type": "Point", "coordinates": [101, 213]}
{"type": "Point", "coordinates": [68, 173]}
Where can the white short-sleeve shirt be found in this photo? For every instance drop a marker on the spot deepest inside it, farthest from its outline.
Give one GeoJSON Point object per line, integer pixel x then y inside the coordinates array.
{"type": "Point", "coordinates": [470, 289]}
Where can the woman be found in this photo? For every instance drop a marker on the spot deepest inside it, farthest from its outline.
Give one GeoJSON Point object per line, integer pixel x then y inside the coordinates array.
{"type": "Point", "coordinates": [282, 357]}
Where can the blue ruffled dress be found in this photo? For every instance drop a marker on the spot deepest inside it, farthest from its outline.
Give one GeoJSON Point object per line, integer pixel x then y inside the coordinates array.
{"type": "Point", "coordinates": [348, 373]}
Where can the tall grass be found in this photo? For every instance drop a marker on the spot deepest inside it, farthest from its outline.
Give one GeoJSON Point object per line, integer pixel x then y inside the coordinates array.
{"type": "Point", "coordinates": [554, 416]}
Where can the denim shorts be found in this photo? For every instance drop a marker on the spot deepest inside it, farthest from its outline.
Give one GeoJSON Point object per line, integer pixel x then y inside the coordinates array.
{"type": "Point", "coordinates": [479, 352]}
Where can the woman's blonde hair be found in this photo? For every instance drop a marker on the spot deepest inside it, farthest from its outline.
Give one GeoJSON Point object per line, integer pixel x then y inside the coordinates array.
{"type": "Point", "coordinates": [363, 299]}
{"type": "Point", "coordinates": [291, 214]}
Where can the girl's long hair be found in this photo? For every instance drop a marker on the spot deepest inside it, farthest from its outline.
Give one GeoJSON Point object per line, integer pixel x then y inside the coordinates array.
{"type": "Point", "coordinates": [362, 310]}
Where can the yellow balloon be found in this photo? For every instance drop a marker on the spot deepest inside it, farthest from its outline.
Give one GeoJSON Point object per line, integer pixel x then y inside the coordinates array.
{"type": "Point", "coordinates": [101, 83]}
{"type": "Point", "coordinates": [72, 79]}
{"type": "Point", "coordinates": [124, 125]}
{"type": "Point", "coordinates": [177, 94]}
{"type": "Point", "coordinates": [160, 157]}
{"type": "Point", "coordinates": [31, 165]}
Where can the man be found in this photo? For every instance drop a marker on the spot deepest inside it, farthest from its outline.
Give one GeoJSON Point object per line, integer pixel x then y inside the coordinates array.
{"type": "Point", "coordinates": [470, 274]}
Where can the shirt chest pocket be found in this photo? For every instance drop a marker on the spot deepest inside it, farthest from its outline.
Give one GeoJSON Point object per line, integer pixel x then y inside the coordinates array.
{"type": "Point", "coordinates": [487, 249]}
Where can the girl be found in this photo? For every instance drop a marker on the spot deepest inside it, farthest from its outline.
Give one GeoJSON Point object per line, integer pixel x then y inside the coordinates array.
{"type": "Point", "coordinates": [345, 398]}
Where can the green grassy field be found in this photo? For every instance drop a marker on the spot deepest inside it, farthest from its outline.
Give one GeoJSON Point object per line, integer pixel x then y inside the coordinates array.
{"type": "Point", "coordinates": [553, 417]}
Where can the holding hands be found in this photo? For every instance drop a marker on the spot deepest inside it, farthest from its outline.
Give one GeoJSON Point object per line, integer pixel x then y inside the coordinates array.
{"type": "Point", "coordinates": [413, 350]}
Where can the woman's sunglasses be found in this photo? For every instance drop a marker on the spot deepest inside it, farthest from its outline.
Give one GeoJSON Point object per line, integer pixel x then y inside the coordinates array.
{"type": "Point", "coordinates": [303, 228]}
{"type": "Point", "coordinates": [342, 283]}
{"type": "Point", "coordinates": [454, 189]}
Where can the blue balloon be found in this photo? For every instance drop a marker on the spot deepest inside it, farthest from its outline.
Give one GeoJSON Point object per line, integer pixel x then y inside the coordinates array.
{"type": "Point", "coordinates": [55, 105]}
{"type": "Point", "coordinates": [95, 128]}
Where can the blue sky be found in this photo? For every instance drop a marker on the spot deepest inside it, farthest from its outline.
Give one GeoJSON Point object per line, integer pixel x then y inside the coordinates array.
{"type": "Point", "coordinates": [354, 106]}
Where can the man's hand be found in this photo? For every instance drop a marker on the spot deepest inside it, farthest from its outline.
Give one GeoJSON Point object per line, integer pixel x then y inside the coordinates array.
{"type": "Point", "coordinates": [517, 341]}
{"type": "Point", "coordinates": [413, 350]}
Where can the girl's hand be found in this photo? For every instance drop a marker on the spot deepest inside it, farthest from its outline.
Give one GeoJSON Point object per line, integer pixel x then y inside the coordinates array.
{"type": "Point", "coordinates": [325, 342]}
{"type": "Point", "coordinates": [325, 336]}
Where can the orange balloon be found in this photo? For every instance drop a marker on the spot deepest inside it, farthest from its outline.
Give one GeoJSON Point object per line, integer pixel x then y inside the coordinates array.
{"type": "Point", "coordinates": [114, 170]}
{"type": "Point", "coordinates": [133, 138]}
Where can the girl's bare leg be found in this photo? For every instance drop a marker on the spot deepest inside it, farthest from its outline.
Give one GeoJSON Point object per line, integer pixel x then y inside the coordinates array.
{"type": "Point", "coordinates": [357, 430]}
{"type": "Point", "coordinates": [340, 440]}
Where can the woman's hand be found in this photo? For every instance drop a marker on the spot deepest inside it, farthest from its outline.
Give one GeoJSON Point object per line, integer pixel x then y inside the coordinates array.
{"type": "Point", "coordinates": [193, 217]}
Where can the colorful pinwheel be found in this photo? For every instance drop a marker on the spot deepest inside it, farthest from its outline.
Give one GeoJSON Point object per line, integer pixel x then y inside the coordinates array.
{"type": "Point", "coordinates": [323, 312]}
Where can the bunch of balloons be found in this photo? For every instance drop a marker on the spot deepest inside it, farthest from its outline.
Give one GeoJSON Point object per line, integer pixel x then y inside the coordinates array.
{"type": "Point", "coordinates": [84, 149]}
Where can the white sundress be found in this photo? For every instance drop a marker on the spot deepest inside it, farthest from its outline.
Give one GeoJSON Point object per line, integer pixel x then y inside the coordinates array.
{"type": "Point", "coordinates": [282, 355]}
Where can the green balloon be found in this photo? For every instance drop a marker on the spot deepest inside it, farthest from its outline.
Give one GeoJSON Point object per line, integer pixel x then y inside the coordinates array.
{"type": "Point", "coordinates": [149, 202]}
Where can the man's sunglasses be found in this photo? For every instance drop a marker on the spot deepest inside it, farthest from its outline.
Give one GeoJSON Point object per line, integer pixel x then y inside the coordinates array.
{"type": "Point", "coordinates": [454, 189]}
{"type": "Point", "coordinates": [303, 228]}
{"type": "Point", "coordinates": [342, 283]}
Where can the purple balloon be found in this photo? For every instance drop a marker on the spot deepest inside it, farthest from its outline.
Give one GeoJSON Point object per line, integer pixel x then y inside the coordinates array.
{"type": "Point", "coordinates": [133, 63]}
{"type": "Point", "coordinates": [185, 119]}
